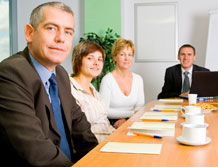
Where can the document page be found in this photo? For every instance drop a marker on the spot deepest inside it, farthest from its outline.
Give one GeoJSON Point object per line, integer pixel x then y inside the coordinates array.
{"type": "Point", "coordinates": [153, 125]}
{"type": "Point", "coordinates": [159, 116]}
{"type": "Point", "coordinates": [171, 100]}
{"type": "Point", "coordinates": [153, 113]}
{"type": "Point", "coordinates": [138, 148]}
{"type": "Point", "coordinates": [167, 107]}
{"type": "Point", "coordinates": [153, 128]}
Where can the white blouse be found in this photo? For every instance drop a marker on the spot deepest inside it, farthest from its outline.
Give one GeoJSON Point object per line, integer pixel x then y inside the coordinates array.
{"type": "Point", "coordinates": [121, 106]}
{"type": "Point", "coordinates": [94, 109]}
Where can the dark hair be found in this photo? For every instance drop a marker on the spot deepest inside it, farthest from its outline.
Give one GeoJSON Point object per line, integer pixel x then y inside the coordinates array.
{"type": "Point", "coordinates": [186, 46]}
{"type": "Point", "coordinates": [83, 49]}
{"type": "Point", "coordinates": [37, 14]}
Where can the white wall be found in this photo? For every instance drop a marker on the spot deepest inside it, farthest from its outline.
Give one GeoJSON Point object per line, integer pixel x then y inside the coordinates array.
{"type": "Point", "coordinates": [193, 19]}
{"type": "Point", "coordinates": [212, 41]}
{"type": "Point", "coordinates": [24, 8]}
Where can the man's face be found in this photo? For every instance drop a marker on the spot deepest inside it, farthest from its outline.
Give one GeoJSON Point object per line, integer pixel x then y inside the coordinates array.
{"type": "Point", "coordinates": [186, 57]}
{"type": "Point", "coordinates": [50, 43]}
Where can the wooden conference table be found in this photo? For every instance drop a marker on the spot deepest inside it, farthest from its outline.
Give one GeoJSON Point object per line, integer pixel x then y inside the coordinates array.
{"type": "Point", "coordinates": [173, 154]}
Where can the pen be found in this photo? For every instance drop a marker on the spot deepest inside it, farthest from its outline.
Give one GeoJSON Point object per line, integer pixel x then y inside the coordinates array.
{"type": "Point", "coordinates": [156, 120]}
{"type": "Point", "coordinates": [164, 110]}
{"type": "Point", "coordinates": [201, 99]}
{"type": "Point", "coordinates": [147, 135]}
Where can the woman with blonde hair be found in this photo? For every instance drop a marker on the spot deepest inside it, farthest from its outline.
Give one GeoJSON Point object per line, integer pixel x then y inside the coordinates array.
{"type": "Point", "coordinates": [87, 61]}
{"type": "Point", "coordinates": [123, 90]}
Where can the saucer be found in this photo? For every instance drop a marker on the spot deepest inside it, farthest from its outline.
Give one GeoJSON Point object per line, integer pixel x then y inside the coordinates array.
{"type": "Point", "coordinates": [183, 123]}
{"type": "Point", "coordinates": [203, 111]}
{"type": "Point", "coordinates": [209, 110]}
{"type": "Point", "coordinates": [186, 142]}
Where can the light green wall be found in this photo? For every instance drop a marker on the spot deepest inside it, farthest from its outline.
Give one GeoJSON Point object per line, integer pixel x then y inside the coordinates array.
{"type": "Point", "coordinates": [102, 14]}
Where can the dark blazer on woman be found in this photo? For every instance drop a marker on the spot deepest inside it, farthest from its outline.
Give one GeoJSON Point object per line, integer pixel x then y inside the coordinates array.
{"type": "Point", "coordinates": [173, 81]}
{"type": "Point", "coordinates": [28, 132]}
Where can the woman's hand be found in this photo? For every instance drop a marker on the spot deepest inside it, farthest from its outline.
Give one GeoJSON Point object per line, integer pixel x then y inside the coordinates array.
{"type": "Point", "coordinates": [119, 122]}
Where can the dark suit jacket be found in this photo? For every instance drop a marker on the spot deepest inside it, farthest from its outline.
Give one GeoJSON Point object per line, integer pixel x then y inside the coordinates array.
{"type": "Point", "coordinates": [28, 132]}
{"type": "Point", "coordinates": [173, 81]}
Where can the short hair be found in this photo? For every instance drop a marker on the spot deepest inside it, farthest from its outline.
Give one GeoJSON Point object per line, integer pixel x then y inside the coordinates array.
{"type": "Point", "coordinates": [81, 50]}
{"type": "Point", "coordinates": [119, 45]}
{"type": "Point", "coordinates": [37, 14]}
{"type": "Point", "coordinates": [186, 46]}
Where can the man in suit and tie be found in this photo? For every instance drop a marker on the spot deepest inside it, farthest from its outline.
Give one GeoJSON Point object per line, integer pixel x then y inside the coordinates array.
{"type": "Point", "coordinates": [178, 78]}
{"type": "Point", "coordinates": [40, 122]}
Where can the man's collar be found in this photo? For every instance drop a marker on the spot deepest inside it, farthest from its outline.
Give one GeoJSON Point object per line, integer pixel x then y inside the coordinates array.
{"type": "Point", "coordinates": [43, 72]}
{"type": "Point", "coordinates": [190, 70]}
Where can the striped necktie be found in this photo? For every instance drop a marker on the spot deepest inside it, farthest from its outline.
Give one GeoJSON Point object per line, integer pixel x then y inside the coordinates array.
{"type": "Point", "coordinates": [186, 83]}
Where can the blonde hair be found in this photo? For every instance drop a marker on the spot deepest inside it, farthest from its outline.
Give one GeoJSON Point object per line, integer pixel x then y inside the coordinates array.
{"type": "Point", "coordinates": [119, 45]}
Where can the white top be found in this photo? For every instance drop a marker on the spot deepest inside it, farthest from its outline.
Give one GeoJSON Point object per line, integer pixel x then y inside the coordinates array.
{"type": "Point", "coordinates": [121, 106]}
{"type": "Point", "coordinates": [94, 109]}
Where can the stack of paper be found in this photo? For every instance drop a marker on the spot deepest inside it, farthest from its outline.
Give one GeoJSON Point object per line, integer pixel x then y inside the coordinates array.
{"type": "Point", "coordinates": [132, 148]}
{"type": "Point", "coordinates": [153, 128]}
{"type": "Point", "coordinates": [160, 113]}
{"type": "Point", "coordinates": [159, 116]}
{"type": "Point", "coordinates": [167, 107]}
{"type": "Point", "coordinates": [157, 123]}
{"type": "Point", "coordinates": [171, 100]}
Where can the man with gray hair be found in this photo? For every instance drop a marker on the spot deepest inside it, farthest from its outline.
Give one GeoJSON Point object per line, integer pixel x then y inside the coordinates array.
{"type": "Point", "coordinates": [40, 122]}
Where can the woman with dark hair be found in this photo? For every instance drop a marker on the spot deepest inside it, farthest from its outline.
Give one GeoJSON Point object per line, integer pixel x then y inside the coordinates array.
{"type": "Point", "coordinates": [87, 61]}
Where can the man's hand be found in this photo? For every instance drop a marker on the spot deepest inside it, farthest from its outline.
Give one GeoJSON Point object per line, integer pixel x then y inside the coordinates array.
{"type": "Point", "coordinates": [185, 93]}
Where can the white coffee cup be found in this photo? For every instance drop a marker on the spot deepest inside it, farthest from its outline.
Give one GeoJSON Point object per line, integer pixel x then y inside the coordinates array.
{"type": "Point", "coordinates": [192, 109]}
{"type": "Point", "coordinates": [192, 98]}
{"type": "Point", "coordinates": [194, 133]}
{"type": "Point", "coordinates": [193, 118]}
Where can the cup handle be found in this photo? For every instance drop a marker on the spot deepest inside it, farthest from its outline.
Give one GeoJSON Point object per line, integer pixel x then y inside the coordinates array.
{"type": "Point", "coordinates": [183, 108]}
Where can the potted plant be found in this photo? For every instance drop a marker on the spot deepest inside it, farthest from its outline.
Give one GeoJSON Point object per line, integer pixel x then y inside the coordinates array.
{"type": "Point", "coordinates": [106, 42]}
